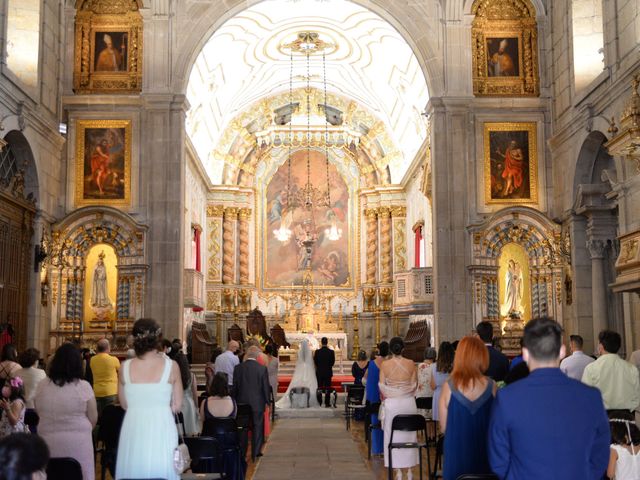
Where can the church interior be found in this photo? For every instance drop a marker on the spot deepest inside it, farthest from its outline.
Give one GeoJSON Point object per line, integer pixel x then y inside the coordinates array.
{"type": "Point", "coordinates": [298, 169]}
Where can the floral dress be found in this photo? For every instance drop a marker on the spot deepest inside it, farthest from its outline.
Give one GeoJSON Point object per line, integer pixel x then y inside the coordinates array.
{"type": "Point", "coordinates": [5, 426]}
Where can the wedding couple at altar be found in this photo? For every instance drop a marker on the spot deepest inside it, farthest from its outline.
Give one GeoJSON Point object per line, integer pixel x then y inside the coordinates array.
{"type": "Point", "coordinates": [313, 371]}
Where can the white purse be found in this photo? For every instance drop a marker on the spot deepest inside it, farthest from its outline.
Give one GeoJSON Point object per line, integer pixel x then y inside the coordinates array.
{"type": "Point", "coordinates": [181, 456]}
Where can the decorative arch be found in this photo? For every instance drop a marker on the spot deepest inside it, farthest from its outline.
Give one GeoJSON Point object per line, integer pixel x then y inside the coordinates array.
{"type": "Point", "coordinates": [26, 184]}
{"type": "Point", "coordinates": [593, 160]}
{"type": "Point", "coordinates": [71, 239]}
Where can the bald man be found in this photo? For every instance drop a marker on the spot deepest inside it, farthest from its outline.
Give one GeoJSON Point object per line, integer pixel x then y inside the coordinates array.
{"type": "Point", "coordinates": [105, 375]}
{"type": "Point", "coordinates": [227, 361]}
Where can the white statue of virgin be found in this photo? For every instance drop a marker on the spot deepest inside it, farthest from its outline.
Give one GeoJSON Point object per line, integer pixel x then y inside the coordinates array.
{"type": "Point", "coordinates": [100, 300]}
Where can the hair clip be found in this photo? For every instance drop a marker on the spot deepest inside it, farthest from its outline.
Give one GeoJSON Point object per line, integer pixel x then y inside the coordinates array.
{"type": "Point", "coordinates": [16, 382]}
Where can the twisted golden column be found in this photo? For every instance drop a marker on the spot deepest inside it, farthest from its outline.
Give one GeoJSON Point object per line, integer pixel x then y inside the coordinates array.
{"type": "Point", "coordinates": [243, 232]}
{"type": "Point", "coordinates": [372, 245]}
{"type": "Point", "coordinates": [228, 245]}
{"type": "Point", "coordinates": [384, 213]}
{"type": "Point", "coordinates": [356, 336]}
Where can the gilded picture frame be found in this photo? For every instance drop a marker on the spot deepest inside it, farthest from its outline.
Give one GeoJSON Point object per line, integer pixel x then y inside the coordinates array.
{"type": "Point", "coordinates": [108, 47]}
{"type": "Point", "coordinates": [505, 49]}
{"type": "Point", "coordinates": [103, 162]}
{"type": "Point", "coordinates": [510, 163]}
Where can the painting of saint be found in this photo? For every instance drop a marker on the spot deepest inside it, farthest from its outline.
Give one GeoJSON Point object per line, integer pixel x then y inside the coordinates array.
{"type": "Point", "coordinates": [514, 283]}
{"type": "Point", "coordinates": [110, 52]}
{"type": "Point", "coordinates": [309, 246]}
{"type": "Point", "coordinates": [502, 57]}
{"type": "Point", "coordinates": [104, 165]}
{"type": "Point", "coordinates": [510, 163]}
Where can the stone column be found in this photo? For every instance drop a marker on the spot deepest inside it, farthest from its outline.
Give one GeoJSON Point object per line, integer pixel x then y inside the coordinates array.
{"type": "Point", "coordinates": [597, 249]}
{"type": "Point", "coordinates": [243, 233]}
{"type": "Point", "coordinates": [372, 245]}
{"type": "Point", "coordinates": [384, 214]}
{"type": "Point", "coordinates": [228, 245]}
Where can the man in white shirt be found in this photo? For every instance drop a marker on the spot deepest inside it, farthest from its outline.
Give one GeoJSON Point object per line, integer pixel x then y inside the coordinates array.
{"type": "Point", "coordinates": [228, 360]}
{"type": "Point", "coordinates": [30, 373]}
{"type": "Point", "coordinates": [573, 365]}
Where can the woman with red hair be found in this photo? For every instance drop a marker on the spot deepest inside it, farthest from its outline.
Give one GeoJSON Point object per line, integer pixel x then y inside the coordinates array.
{"type": "Point", "coordinates": [465, 407]}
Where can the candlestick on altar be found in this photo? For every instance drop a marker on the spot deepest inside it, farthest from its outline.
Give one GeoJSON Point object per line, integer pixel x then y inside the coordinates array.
{"type": "Point", "coordinates": [377, 325]}
{"type": "Point", "coordinates": [356, 336]}
{"type": "Point", "coordinates": [340, 318]}
{"type": "Point", "coordinates": [219, 325]}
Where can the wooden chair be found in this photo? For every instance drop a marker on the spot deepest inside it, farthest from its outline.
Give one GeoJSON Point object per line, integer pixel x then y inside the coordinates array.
{"type": "Point", "coordinates": [201, 343]}
{"type": "Point", "coordinates": [278, 336]}
{"type": "Point", "coordinates": [234, 332]}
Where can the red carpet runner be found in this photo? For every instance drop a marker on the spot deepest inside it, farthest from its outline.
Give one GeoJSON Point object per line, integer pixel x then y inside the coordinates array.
{"type": "Point", "coordinates": [336, 382]}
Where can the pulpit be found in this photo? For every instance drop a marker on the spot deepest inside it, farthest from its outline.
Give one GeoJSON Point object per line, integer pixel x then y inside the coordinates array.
{"type": "Point", "coordinates": [416, 341]}
{"type": "Point", "coordinates": [201, 343]}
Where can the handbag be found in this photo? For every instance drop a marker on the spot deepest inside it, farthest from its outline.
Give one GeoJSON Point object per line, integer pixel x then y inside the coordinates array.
{"type": "Point", "coordinates": [181, 456]}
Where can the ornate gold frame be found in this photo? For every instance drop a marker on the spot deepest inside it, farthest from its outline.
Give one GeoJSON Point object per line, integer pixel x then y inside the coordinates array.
{"type": "Point", "coordinates": [82, 125]}
{"type": "Point", "coordinates": [505, 19]}
{"type": "Point", "coordinates": [93, 17]}
{"type": "Point", "coordinates": [531, 129]}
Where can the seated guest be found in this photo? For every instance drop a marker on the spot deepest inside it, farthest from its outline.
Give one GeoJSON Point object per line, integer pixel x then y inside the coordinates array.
{"type": "Point", "coordinates": [498, 361]}
{"type": "Point", "coordinates": [8, 362]}
{"type": "Point", "coordinates": [441, 371]}
{"type": "Point", "coordinates": [465, 407]}
{"type": "Point", "coordinates": [272, 367]}
{"type": "Point", "coordinates": [67, 409]}
{"type": "Point", "coordinates": [617, 379]}
{"type": "Point", "coordinates": [12, 405]}
{"type": "Point", "coordinates": [30, 374]}
{"type": "Point", "coordinates": [23, 457]}
{"type": "Point", "coordinates": [548, 426]}
{"type": "Point", "coordinates": [624, 462]}
{"type": "Point", "coordinates": [359, 367]}
{"type": "Point", "coordinates": [372, 393]}
{"type": "Point", "coordinates": [573, 366]}
{"type": "Point", "coordinates": [226, 362]}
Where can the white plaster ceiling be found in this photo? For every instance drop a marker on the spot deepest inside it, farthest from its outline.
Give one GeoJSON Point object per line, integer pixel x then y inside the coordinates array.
{"type": "Point", "coordinates": [244, 62]}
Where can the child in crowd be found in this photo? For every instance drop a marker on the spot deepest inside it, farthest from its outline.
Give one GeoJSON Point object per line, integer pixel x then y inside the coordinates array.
{"type": "Point", "coordinates": [13, 407]}
{"type": "Point", "coordinates": [624, 462]}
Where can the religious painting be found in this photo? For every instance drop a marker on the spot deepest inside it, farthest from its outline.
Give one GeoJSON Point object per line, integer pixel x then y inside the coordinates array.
{"type": "Point", "coordinates": [108, 47]}
{"type": "Point", "coordinates": [101, 282]}
{"type": "Point", "coordinates": [110, 51]}
{"type": "Point", "coordinates": [103, 162]}
{"type": "Point", "coordinates": [503, 57]}
{"type": "Point", "coordinates": [319, 238]}
{"type": "Point", "coordinates": [514, 284]}
{"type": "Point", "coordinates": [510, 163]}
{"type": "Point", "coordinates": [504, 48]}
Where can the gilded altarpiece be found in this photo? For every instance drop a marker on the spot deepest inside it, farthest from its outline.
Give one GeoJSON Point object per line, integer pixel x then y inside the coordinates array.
{"type": "Point", "coordinates": [505, 48]}
{"type": "Point", "coordinates": [108, 46]}
{"type": "Point", "coordinates": [516, 271]}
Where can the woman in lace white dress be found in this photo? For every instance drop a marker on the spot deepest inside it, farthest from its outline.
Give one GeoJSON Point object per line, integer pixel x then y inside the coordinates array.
{"type": "Point", "coordinates": [398, 381]}
{"type": "Point", "coordinates": [303, 376]}
{"type": "Point", "coordinates": [150, 390]}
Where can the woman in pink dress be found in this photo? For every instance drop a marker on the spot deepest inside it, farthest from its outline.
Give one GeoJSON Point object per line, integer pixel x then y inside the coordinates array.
{"type": "Point", "coordinates": [67, 409]}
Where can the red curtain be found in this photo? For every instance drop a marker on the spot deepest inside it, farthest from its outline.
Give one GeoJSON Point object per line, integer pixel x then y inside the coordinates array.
{"type": "Point", "coordinates": [196, 239]}
{"type": "Point", "coordinates": [418, 239]}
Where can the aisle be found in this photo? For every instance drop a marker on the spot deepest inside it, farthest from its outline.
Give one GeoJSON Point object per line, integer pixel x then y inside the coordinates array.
{"type": "Point", "coordinates": [315, 448]}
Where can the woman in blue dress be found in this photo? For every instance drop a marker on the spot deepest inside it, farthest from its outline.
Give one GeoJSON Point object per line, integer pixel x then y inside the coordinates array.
{"type": "Point", "coordinates": [441, 371]}
{"type": "Point", "coordinates": [465, 408]}
{"type": "Point", "coordinates": [373, 395]}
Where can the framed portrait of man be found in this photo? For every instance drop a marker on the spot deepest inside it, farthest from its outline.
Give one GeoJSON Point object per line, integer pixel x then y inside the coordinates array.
{"type": "Point", "coordinates": [510, 163]}
{"type": "Point", "coordinates": [503, 57]}
{"type": "Point", "coordinates": [103, 162]}
{"type": "Point", "coordinates": [110, 51]}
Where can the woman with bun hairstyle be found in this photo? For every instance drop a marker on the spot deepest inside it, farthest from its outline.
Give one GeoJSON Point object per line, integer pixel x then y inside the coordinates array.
{"type": "Point", "coordinates": [398, 382]}
{"type": "Point", "coordinates": [150, 390]}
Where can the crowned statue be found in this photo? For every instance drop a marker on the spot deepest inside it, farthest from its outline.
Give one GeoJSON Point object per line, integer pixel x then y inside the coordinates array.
{"type": "Point", "coordinates": [100, 301]}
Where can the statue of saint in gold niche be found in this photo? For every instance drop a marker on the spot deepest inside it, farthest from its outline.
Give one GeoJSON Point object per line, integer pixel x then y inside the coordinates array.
{"type": "Point", "coordinates": [100, 302]}
{"type": "Point", "coordinates": [512, 306]}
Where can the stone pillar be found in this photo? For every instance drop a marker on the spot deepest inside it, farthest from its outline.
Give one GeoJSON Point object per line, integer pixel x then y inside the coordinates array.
{"type": "Point", "coordinates": [384, 214]}
{"type": "Point", "coordinates": [372, 245]}
{"type": "Point", "coordinates": [228, 245]}
{"type": "Point", "coordinates": [597, 249]}
{"type": "Point", "coordinates": [243, 233]}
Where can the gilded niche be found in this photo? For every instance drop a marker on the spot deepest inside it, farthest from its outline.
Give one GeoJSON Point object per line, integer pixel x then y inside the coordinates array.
{"type": "Point", "coordinates": [505, 48]}
{"type": "Point", "coordinates": [108, 46]}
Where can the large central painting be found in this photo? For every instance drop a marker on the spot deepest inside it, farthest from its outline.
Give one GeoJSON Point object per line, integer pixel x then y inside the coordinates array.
{"type": "Point", "coordinates": [330, 260]}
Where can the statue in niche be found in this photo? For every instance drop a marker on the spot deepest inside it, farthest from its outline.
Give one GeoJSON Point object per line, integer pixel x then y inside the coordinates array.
{"type": "Point", "coordinates": [512, 306]}
{"type": "Point", "coordinates": [100, 300]}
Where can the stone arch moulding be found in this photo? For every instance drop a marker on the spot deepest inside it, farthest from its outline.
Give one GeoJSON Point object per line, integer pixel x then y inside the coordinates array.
{"type": "Point", "coordinates": [541, 239]}
{"type": "Point", "coordinates": [71, 240]}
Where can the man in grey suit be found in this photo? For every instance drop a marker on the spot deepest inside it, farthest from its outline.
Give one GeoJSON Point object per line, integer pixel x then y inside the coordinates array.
{"type": "Point", "coordinates": [251, 385]}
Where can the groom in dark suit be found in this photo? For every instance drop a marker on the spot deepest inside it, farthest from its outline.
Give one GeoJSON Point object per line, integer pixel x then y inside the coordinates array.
{"type": "Point", "coordinates": [251, 385]}
{"type": "Point", "coordinates": [324, 360]}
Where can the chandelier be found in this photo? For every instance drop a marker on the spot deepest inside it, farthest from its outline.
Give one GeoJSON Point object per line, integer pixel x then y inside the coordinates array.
{"type": "Point", "coordinates": [308, 197]}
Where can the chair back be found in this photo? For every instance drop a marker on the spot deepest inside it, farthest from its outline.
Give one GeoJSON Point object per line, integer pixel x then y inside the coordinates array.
{"type": "Point", "coordinates": [64, 468]}
{"type": "Point", "coordinates": [355, 394]}
{"type": "Point", "coordinates": [408, 423]}
{"type": "Point", "coordinates": [204, 452]}
{"type": "Point", "coordinates": [424, 403]}
{"type": "Point", "coordinates": [224, 429]}
{"type": "Point", "coordinates": [477, 476]}
{"type": "Point", "coordinates": [109, 425]}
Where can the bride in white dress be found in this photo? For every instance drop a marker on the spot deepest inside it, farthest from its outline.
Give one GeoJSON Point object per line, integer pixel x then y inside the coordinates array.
{"type": "Point", "coordinates": [303, 376]}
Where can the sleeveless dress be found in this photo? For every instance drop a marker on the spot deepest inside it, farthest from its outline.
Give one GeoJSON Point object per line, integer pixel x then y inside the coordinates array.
{"type": "Point", "coordinates": [628, 464]}
{"type": "Point", "coordinates": [373, 396]}
{"type": "Point", "coordinates": [398, 399]}
{"type": "Point", "coordinates": [149, 434]}
{"type": "Point", "coordinates": [234, 466]}
{"type": "Point", "coordinates": [440, 379]}
{"type": "Point", "coordinates": [465, 440]}
{"type": "Point", "coordinates": [189, 411]}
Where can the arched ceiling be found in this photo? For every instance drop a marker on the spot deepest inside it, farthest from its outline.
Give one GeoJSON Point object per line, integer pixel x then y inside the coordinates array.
{"type": "Point", "coordinates": [244, 61]}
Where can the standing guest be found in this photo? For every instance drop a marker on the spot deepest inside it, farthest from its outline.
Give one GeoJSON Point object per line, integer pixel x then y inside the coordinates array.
{"type": "Point", "coordinates": [398, 381]}
{"type": "Point", "coordinates": [12, 406]}
{"type": "Point", "coordinates": [190, 395]}
{"type": "Point", "coordinates": [517, 360]}
{"type": "Point", "coordinates": [264, 361]}
{"type": "Point", "coordinates": [8, 362]}
{"type": "Point", "coordinates": [30, 374]}
{"type": "Point", "coordinates": [324, 359]}
{"type": "Point", "coordinates": [150, 390]}
{"type": "Point", "coordinates": [23, 457]}
{"type": "Point", "coordinates": [372, 393]}
{"type": "Point", "coordinates": [440, 374]}
{"type": "Point", "coordinates": [617, 379]}
{"type": "Point", "coordinates": [210, 368]}
{"type": "Point", "coordinates": [272, 367]}
{"type": "Point", "coordinates": [164, 347]}
{"type": "Point", "coordinates": [498, 361]}
{"type": "Point", "coordinates": [425, 372]}
{"type": "Point", "coordinates": [105, 375]}
{"type": "Point", "coordinates": [67, 409]}
{"type": "Point", "coordinates": [548, 425]}
{"type": "Point", "coordinates": [251, 385]}
{"type": "Point", "coordinates": [573, 366]}
{"type": "Point", "coordinates": [359, 367]}
{"type": "Point", "coordinates": [227, 361]}
{"type": "Point", "coordinates": [465, 408]}
{"type": "Point", "coordinates": [624, 460]}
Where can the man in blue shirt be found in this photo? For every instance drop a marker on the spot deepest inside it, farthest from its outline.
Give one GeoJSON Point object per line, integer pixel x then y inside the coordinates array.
{"type": "Point", "coordinates": [548, 426]}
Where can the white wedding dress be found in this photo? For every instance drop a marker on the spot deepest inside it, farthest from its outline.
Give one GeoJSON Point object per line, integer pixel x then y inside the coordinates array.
{"type": "Point", "coordinates": [303, 376]}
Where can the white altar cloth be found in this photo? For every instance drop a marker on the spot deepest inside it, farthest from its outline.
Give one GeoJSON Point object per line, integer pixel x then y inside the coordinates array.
{"type": "Point", "coordinates": [337, 340]}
